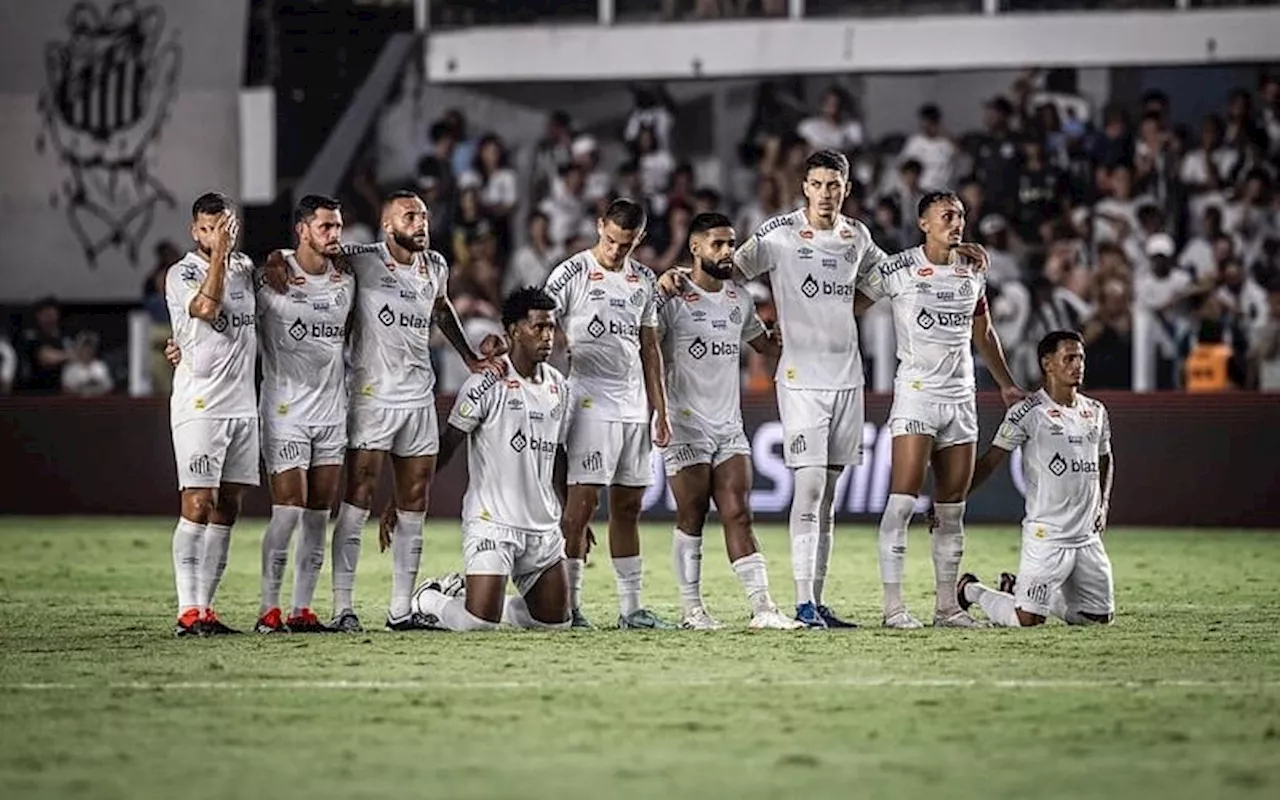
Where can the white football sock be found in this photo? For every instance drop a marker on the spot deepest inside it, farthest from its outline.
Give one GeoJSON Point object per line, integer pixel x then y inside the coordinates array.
{"type": "Point", "coordinates": [275, 553]}
{"type": "Point", "coordinates": [754, 577]}
{"type": "Point", "coordinates": [573, 568]}
{"type": "Point", "coordinates": [406, 557]}
{"type": "Point", "coordinates": [806, 504]}
{"type": "Point", "coordinates": [893, 549]}
{"type": "Point", "coordinates": [452, 612]}
{"type": "Point", "coordinates": [348, 531]}
{"type": "Point", "coordinates": [947, 543]}
{"type": "Point", "coordinates": [686, 554]}
{"type": "Point", "coordinates": [308, 557]}
{"type": "Point", "coordinates": [188, 550]}
{"type": "Point", "coordinates": [217, 543]}
{"type": "Point", "coordinates": [999, 607]}
{"type": "Point", "coordinates": [516, 613]}
{"type": "Point", "coordinates": [629, 573]}
{"type": "Point", "coordinates": [826, 534]}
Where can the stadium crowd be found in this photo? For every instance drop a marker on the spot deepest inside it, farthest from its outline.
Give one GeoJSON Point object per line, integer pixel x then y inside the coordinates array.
{"type": "Point", "coordinates": [1090, 216]}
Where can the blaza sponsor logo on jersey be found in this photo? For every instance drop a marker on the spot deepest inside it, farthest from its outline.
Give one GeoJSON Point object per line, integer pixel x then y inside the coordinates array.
{"type": "Point", "coordinates": [223, 321]}
{"type": "Point", "coordinates": [1060, 466]}
{"type": "Point", "coordinates": [700, 349]}
{"type": "Point", "coordinates": [538, 447]}
{"type": "Point", "coordinates": [415, 322]}
{"type": "Point", "coordinates": [597, 328]}
{"type": "Point", "coordinates": [946, 319]}
{"type": "Point", "coordinates": [811, 288]}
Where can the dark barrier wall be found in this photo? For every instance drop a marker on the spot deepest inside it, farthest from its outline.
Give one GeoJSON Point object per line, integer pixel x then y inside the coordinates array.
{"type": "Point", "coordinates": [1182, 460]}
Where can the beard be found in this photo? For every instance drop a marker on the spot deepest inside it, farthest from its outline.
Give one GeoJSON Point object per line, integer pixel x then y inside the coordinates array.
{"type": "Point", "coordinates": [408, 242]}
{"type": "Point", "coordinates": [720, 270]}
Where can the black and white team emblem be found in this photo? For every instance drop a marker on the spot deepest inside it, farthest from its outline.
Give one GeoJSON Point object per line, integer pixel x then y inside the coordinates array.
{"type": "Point", "coordinates": [698, 348]}
{"type": "Point", "coordinates": [298, 330]}
{"type": "Point", "coordinates": [519, 442]}
{"type": "Point", "coordinates": [809, 287]}
{"type": "Point", "coordinates": [199, 465]}
{"type": "Point", "coordinates": [1057, 464]}
{"type": "Point", "coordinates": [219, 323]}
{"type": "Point", "coordinates": [735, 316]}
{"type": "Point", "coordinates": [290, 451]}
{"type": "Point", "coordinates": [386, 316]}
{"type": "Point", "coordinates": [110, 90]}
{"type": "Point", "coordinates": [924, 319]}
{"type": "Point", "coordinates": [966, 289]}
{"type": "Point", "coordinates": [637, 298]}
{"type": "Point", "coordinates": [798, 445]}
{"type": "Point", "coordinates": [595, 327]}
{"type": "Point", "coordinates": [593, 462]}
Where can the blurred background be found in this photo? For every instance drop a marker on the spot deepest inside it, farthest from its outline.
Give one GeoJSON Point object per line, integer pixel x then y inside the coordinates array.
{"type": "Point", "coordinates": [1118, 159]}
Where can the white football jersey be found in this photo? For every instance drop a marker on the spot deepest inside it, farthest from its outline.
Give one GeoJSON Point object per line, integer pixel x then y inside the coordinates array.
{"type": "Point", "coordinates": [390, 344]}
{"type": "Point", "coordinates": [303, 335]}
{"type": "Point", "coordinates": [702, 337]}
{"type": "Point", "coordinates": [602, 312]}
{"type": "Point", "coordinates": [933, 310]}
{"type": "Point", "coordinates": [215, 378]}
{"type": "Point", "coordinates": [813, 274]}
{"type": "Point", "coordinates": [1061, 447]}
{"type": "Point", "coordinates": [515, 426]}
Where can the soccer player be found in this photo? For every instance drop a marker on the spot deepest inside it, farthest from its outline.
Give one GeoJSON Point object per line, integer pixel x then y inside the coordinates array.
{"type": "Point", "coordinates": [303, 408]}
{"type": "Point", "coordinates": [709, 455]}
{"type": "Point", "coordinates": [401, 291]}
{"type": "Point", "coordinates": [939, 312]}
{"type": "Point", "coordinates": [1066, 458]}
{"type": "Point", "coordinates": [212, 409]}
{"type": "Point", "coordinates": [607, 305]}
{"type": "Point", "coordinates": [514, 430]}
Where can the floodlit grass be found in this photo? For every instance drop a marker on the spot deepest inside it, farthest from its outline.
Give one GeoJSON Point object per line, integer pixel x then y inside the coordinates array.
{"type": "Point", "coordinates": [1180, 698]}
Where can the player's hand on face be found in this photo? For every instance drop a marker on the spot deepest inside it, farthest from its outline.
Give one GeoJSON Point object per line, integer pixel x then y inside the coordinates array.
{"type": "Point", "coordinates": [276, 272]}
{"type": "Point", "coordinates": [386, 526]}
{"type": "Point", "coordinates": [661, 431]}
{"type": "Point", "coordinates": [1011, 394]}
{"type": "Point", "coordinates": [672, 282]}
{"type": "Point", "coordinates": [172, 353]}
{"type": "Point", "coordinates": [976, 253]}
{"type": "Point", "coordinates": [224, 232]}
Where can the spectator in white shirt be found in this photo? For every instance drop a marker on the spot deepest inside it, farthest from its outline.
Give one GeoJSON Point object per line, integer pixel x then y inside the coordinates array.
{"type": "Point", "coordinates": [8, 365]}
{"type": "Point", "coordinates": [565, 207]}
{"type": "Point", "coordinates": [935, 151]}
{"type": "Point", "coordinates": [85, 374]}
{"type": "Point", "coordinates": [534, 260]}
{"type": "Point", "coordinates": [835, 127]}
{"type": "Point", "coordinates": [586, 154]}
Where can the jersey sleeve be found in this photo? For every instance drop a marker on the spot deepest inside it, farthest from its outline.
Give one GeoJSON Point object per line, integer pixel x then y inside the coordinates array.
{"type": "Point", "coordinates": [884, 279]}
{"type": "Point", "coordinates": [752, 327]}
{"type": "Point", "coordinates": [562, 285]}
{"type": "Point", "coordinates": [474, 402]}
{"type": "Point", "coordinates": [649, 315]}
{"type": "Point", "coordinates": [441, 268]}
{"type": "Point", "coordinates": [181, 285]}
{"type": "Point", "coordinates": [755, 256]}
{"type": "Point", "coordinates": [1014, 431]}
{"type": "Point", "coordinates": [1104, 432]}
{"type": "Point", "coordinates": [566, 414]}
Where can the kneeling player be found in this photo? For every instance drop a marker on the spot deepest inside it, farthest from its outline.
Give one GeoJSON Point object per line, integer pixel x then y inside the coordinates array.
{"type": "Point", "coordinates": [709, 455]}
{"type": "Point", "coordinates": [513, 428]}
{"type": "Point", "coordinates": [1066, 457]}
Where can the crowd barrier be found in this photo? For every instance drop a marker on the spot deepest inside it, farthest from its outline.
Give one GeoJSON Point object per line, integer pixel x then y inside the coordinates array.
{"type": "Point", "coordinates": [1181, 460]}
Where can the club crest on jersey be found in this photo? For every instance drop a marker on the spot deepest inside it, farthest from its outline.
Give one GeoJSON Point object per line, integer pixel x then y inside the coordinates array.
{"type": "Point", "coordinates": [735, 316]}
{"type": "Point", "coordinates": [966, 289]}
{"type": "Point", "coordinates": [851, 255]}
{"type": "Point", "coordinates": [637, 297]}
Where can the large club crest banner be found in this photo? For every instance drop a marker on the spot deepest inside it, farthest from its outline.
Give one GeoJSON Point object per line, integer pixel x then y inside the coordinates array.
{"type": "Point", "coordinates": [114, 116]}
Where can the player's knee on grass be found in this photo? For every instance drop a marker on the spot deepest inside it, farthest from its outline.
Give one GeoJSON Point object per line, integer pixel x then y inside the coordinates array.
{"type": "Point", "coordinates": [1028, 620]}
{"type": "Point", "coordinates": [548, 599]}
{"type": "Point", "coordinates": [485, 596]}
{"type": "Point", "coordinates": [198, 505]}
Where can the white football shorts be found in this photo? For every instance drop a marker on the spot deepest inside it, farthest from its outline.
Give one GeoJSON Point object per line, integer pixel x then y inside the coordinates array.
{"type": "Point", "coordinates": [948, 423]}
{"type": "Point", "coordinates": [1082, 573]}
{"type": "Point", "coordinates": [287, 446]}
{"type": "Point", "coordinates": [606, 453]}
{"type": "Point", "coordinates": [522, 556]}
{"type": "Point", "coordinates": [821, 427]}
{"type": "Point", "coordinates": [690, 447]}
{"type": "Point", "coordinates": [402, 432]}
{"type": "Point", "coordinates": [211, 452]}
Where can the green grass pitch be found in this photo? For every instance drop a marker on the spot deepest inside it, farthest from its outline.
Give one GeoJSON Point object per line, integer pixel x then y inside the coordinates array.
{"type": "Point", "coordinates": [1180, 698]}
